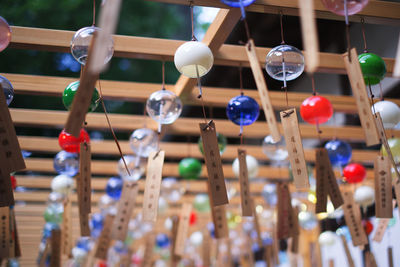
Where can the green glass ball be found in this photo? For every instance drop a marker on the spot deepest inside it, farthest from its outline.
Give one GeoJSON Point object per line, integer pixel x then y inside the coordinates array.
{"type": "Point", "coordinates": [53, 214]}
{"type": "Point", "coordinates": [373, 68]}
{"type": "Point", "coordinates": [69, 94]}
{"type": "Point", "coordinates": [189, 168]}
{"type": "Point", "coordinates": [222, 142]}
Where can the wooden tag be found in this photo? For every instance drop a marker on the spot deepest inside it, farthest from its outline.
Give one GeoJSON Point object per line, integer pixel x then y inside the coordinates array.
{"type": "Point", "coordinates": [83, 96]}
{"type": "Point", "coordinates": [247, 258]}
{"type": "Point", "coordinates": [380, 230]}
{"type": "Point", "coordinates": [257, 223]}
{"type": "Point", "coordinates": [85, 177]}
{"type": "Point", "coordinates": [46, 251]}
{"type": "Point", "coordinates": [286, 224]}
{"type": "Point", "coordinates": [383, 188]}
{"type": "Point", "coordinates": [174, 230]}
{"type": "Point", "coordinates": [268, 255]}
{"type": "Point", "coordinates": [55, 241]}
{"type": "Point", "coordinates": [17, 247]}
{"type": "Point", "coordinates": [206, 248]}
{"type": "Point", "coordinates": [11, 251]}
{"type": "Point", "coordinates": [390, 256]}
{"type": "Point", "coordinates": [352, 216]}
{"type": "Point", "coordinates": [347, 251]}
{"type": "Point", "coordinates": [126, 205]}
{"type": "Point", "coordinates": [218, 215]}
{"type": "Point", "coordinates": [153, 185]}
{"type": "Point", "coordinates": [321, 187]}
{"type": "Point", "coordinates": [244, 184]}
{"type": "Point", "coordinates": [4, 232]}
{"type": "Point", "coordinates": [67, 228]}
{"type": "Point", "coordinates": [370, 259]}
{"type": "Point", "coordinates": [8, 139]}
{"type": "Point", "coordinates": [262, 90]}
{"type": "Point", "coordinates": [216, 180]}
{"type": "Point", "coordinates": [105, 238]}
{"type": "Point", "coordinates": [294, 146]}
{"type": "Point", "coordinates": [6, 191]}
{"type": "Point", "coordinates": [309, 34]}
{"type": "Point", "coordinates": [183, 228]}
{"type": "Point", "coordinates": [396, 69]}
{"type": "Point", "coordinates": [360, 94]}
{"type": "Point", "coordinates": [148, 250]}
{"type": "Point", "coordinates": [294, 248]}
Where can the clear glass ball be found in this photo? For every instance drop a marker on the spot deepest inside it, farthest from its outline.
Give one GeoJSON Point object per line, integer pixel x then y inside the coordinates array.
{"type": "Point", "coordinates": [8, 89]}
{"type": "Point", "coordinates": [143, 141]}
{"type": "Point", "coordinates": [171, 189]}
{"type": "Point", "coordinates": [5, 34]}
{"type": "Point", "coordinates": [275, 151]}
{"type": "Point", "coordinates": [55, 197]}
{"type": "Point", "coordinates": [62, 184]}
{"type": "Point", "coordinates": [66, 163]}
{"type": "Point", "coordinates": [80, 44]}
{"type": "Point", "coordinates": [284, 59]}
{"type": "Point", "coordinates": [106, 203]}
{"type": "Point", "coordinates": [135, 165]}
{"type": "Point", "coordinates": [269, 194]}
{"type": "Point", "coordinates": [164, 106]}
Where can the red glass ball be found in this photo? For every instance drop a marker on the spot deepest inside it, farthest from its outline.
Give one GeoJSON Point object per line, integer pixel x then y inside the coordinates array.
{"type": "Point", "coordinates": [368, 227]}
{"type": "Point", "coordinates": [316, 109]}
{"type": "Point", "coordinates": [70, 143]}
{"type": "Point", "coordinates": [13, 182]}
{"type": "Point", "coordinates": [354, 173]}
{"type": "Point", "coordinates": [193, 218]}
{"type": "Point", "coordinates": [101, 264]}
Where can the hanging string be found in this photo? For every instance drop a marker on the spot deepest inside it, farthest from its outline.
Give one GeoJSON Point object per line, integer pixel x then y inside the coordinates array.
{"type": "Point", "coordinates": [363, 35]}
{"type": "Point", "coordinates": [111, 129]}
{"type": "Point", "coordinates": [94, 13]}
{"type": "Point", "coordinates": [241, 80]}
{"type": "Point", "coordinates": [381, 92]}
{"type": "Point", "coordinates": [346, 13]}
{"type": "Point", "coordinates": [281, 22]}
{"type": "Point", "coordinates": [242, 9]}
{"type": "Point", "coordinates": [314, 94]}
{"type": "Point", "coordinates": [163, 75]}
{"type": "Point", "coordinates": [192, 20]}
{"type": "Point", "coordinates": [372, 97]}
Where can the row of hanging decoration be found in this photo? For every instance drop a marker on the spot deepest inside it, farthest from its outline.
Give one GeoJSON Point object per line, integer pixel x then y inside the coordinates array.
{"type": "Point", "coordinates": [194, 59]}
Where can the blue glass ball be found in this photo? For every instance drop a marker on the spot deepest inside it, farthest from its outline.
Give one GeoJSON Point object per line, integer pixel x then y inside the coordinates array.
{"type": "Point", "coordinates": [162, 240]}
{"type": "Point", "coordinates": [236, 3]}
{"type": "Point", "coordinates": [114, 187]}
{"type": "Point", "coordinates": [66, 163]}
{"type": "Point", "coordinates": [48, 227]}
{"type": "Point", "coordinates": [84, 242]}
{"type": "Point", "coordinates": [211, 229]}
{"type": "Point", "coordinates": [96, 224]}
{"type": "Point", "coordinates": [242, 110]}
{"type": "Point", "coordinates": [339, 152]}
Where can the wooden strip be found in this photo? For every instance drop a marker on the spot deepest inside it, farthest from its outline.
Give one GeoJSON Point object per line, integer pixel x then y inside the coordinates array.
{"type": "Point", "coordinates": [16, 243]}
{"type": "Point", "coordinates": [309, 33]}
{"type": "Point", "coordinates": [218, 214]}
{"type": "Point", "coordinates": [67, 243]}
{"type": "Point", "coordinates": [352, 216]}
{"type": "Point", "coordinates": [284, 211]}
{"type": "Point", "coordinates": [174, 230]}
{"type": "Point", "coordinates": [125, 210]}
{"type": "Point", "coordinates": [244, 184]}
{"type": "Point", "coordinates": [295, 230]}
{"type": "Point", "coordinates": [55, 258]}
{"type": "Point", "coordinates": [206, 245]}
{"type": "Point", "coordinates": [380, 230]}
{"type": "Point", "coordinates": [349, 258]}
{"type": "Point", "coordinates": [383, 188]}
{"type": "Point", "coordinates": [263, 91]}
{"type": "Point", "coordinates": [370, 259]}
{"type": "Point", "coordinates": [321, 180]}
{"type": "Point", "coordinates": [148, 250]}
{"type": "Point", "coordinates": [46, 251]}
{"type": "Point", "coordinates": [4, 232]}
{"type": "Point", "coordinates": [360, 94]}
{"type": "Point", "coordinates": [216, 181]}
{"type": "Point", "coordinates": [333, 188]}
{"type": "Point", "coordinates": [6, 191]}
{"type": "Point", "coordinates": [390, 256]}
{"type": "Point", "coordinates": [257, 223]}
{"type": "Point", "coordinates": [183, 228]}
{"type": "Point", "coordinates": [153, 185]}
{"type": "Point", "coordinates": [295, 148]}
{"type": "Point", "coordinates": [85, 178]}
{"type": "Point", "coordinates": [105, 238]}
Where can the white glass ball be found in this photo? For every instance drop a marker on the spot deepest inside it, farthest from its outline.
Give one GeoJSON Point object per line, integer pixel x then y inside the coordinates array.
{"type": "Point", "coordinates": [307, 220]}
{"type": "Point", "coordinates": [196, 238]}
{"type": "Point", "coordinates": [136, 172]}
{"type": "Point", "coordinates": [79, 255]}
{"type": "Point", "coordinates": [164, 106]}
{"type": "Point", "coordinates": [162, 205]}
{"type": "Point", "coordinates": [389, 111]}
{"type": "Point", "coordinates": [171, 189]}
{"type": "Point", "coordinates": [106, 203]}
{"type": "Point", "coordinates": [143, 141]}
{"type": "Point", "coordinates": [364, 196]}
{"type": "Point", "coordinates": [62, 184]}
{"type": "Point", "coordinates": [327, 238]}
{"type": "Point", "coordinates": [275, 151]}
{"type": "Point", "coordinates": [80, 44]}
{"type": "Point", "coordinates": [284, 57]}
{"type": "Point", "coordinates": [191, 55]}
{"type": "Point", "coordinates": [252, 166]}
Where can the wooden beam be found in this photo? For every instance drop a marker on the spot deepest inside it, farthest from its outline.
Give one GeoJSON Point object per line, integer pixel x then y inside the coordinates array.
{"type": "Point", "coordinates": [183, 126]}
{"type": "Point", "coordinates": [159, 49]}
{"type": "Point", "coordinates": [376, 12]}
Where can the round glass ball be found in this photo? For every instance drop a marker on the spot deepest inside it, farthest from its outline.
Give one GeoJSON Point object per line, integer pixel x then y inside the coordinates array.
{"type": "Point", "coordinates": [389, 112]}
{"type": "Point", "coordinates": [193, 59]}
{"type": "Point", "coordinates": [337, 6]}
{"type": "Point", "coordinates": [373, 68]}
{"type": "Point", "coordinates": [171, 189]}
{"type": "Point", "coordinates": [5, 34]}
{"type": "Point", "coordinates": [135, 166]}
{"type": "Point", "coordinates": [252, 166]}
{"type": "Point", "coordinates": [62, 184]}
{"type": "Point", "coordinates": [238, 3]}
{"type": "Point", "coordinates": [222, 142]}
{"type": "Point", "coordinates": [284, 62]}
{"type": "Point", "coordinates": [164, 106]}
{"type": "Point", "coordinates": [242, 110]}
{"type": "Point", "coordinates": [189, 168]}
{"type": "Point", "coordinates": [80, 44]}
{"type": "Point", "coordinates": [66, 163]}
{"type": "Point", "coordinates": [339, 152]}
{"type": "Point", "coordinates": [275, 151]}
{"type": "Point", "coordinates": [69, 94]}
{"type": "Point", "coordinates": [71, 143]}
{"type": "Point", "coordinates": [8, 89]}
{"type": "Point", "coordinates": [114, 187]}
{"type": "Point", "coordinates": [54, 213]}
{"type": "Point", "coordinates": [201, 203]}
{"type": "Point", "coordinates": [354, 173]}
{"type": "Point", "coordinates": [143, 141]}
{"type": "Point", "coordinates": [316, 110]}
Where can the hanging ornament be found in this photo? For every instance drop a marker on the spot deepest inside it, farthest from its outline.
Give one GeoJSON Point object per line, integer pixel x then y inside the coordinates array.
{"type": "Point", "coordinates": [66, 163]}
{"type": "Point", "coordinates": [135, 166]}
{"type": "Point", "coordinates": [193, 218]}
{"type": "Point", "coordinates": [275, 151]}
{"type": "Point", "coordinates": [307, 220]}
{"type": "Point", "coordinates": [143, 141]}
{"type": "Point", "coordinates": [373, 68]}
{"type": "Point", "coordinates": [389, 111]}
{"type": "Point", "coordinates": [107, 204]}
{"type": "Point", "coordinates": [327, 238]}
{"type": "Point", "coordinates": [71, 143]}
{"type": "Point", "coordinates": [80, 44]}
{"type": "Point", "coordinates": [339, 6]}
{"type": "Point", "coordinates": [364, 196]}
{"type": "Point", "coordinates": [69, 94]}
{"type": "Point", "coordinates": [269, 194]}
{"type": "Point", "coordinates": [339, 152]}
{"type": "Point", "coordinates": [13, 182]}
{"type": "Point", "coordinates": [5, 34]}
{"type": "Point", "coordinates": [54, 213]}
{"type": "Point", "coordinates": [96, 224]}
{"type": "Point", "coordinates": [55, 198]}
{"type": "Point", "coordinates": [354, 173]}
{"type": "Point", "coordinates": [222, 142]}
{"type": "Point", "coordinates": [368, 226]}
{"type": "Point", "coordinates": [162, 205]}
{"type": "Point", "coordinates": [162, 240]}
{"type": "Point", "coordinates": [344, 230]}
{"type": "Point", "coordinates": [242, 110]}
{"type": "Point", "coordinates": [62, 184]}
{"type": "Point", "coordinates": [201, 203]}
{"type": "Point", "coordinates": [171, 189]}
{"type": "Point", "coordinates": [316, 109]}
{"type": "Point", "coordinates": [8, 89]}
{"type": "Point", "coordinates": [196, 238]}
{"type": "Point", "coordinates": [252, 166]}
{"type": "Point", "coordinates": [239, 3]}
{"type": "Point", "coordinates": [114, 187]}
{"type": "Point", "coordinates": [79, 255]}
{"type": "Point", "coordinates": [190, 168]}
{"type": "Point", "coordinates": [394, 145]}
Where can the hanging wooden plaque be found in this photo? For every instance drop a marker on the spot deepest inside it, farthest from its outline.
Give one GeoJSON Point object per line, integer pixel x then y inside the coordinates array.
{"type": "Point", "coordinates": [216, 180]}
{"type": "Point", "coordinates": [46, 251]}
{"type": "Point", "coordinates": [262, 90]}
{"type": "Point", "coordinates": [17, 247]}
{"type": "Point", "coordinates": [174, 230]}
{"type": "Point", "coordinates": [206, 249]}
{"type": "Point", "coordinates": [257, 223]}
{"type": "Point", "coordinates": [66, 233]}
{"type": "Point", "coordinates": [218, 215]}
{"type": "Point", "coordinates": [6, 191]}
{"type": "Point", "coordinates": [55, 242]}
{"type": "Point", "coordinates": [352, 216]}
{"type": "Point", "coordinates": [294, 146]}
{"type": "Point", "coordinates": [244, 184]}
{"type": "Point", "coordinates": [148, 250]}
{"type": "Point", "coordinates": [126, 205]}
{"type": "Point", "coordinates": [380, 230]}
{"type": "Point", "coordinates": [268, 255]}
{"type": "Point", "coordinates": [11, 251]}
{"type": "Point", "coordinates": [85, 177]}
{"type": "Point", "coordinates": [286, 223]}
{"type": "Point", "coordinates": [349, 258]}
{"type": "Point", "coordinates": [383, 188]}
{"type": "Point", "coordinates": [370, 259]}
{"type": "Point", "coordinates": [296, 231]}
{"type": "Point", "coordinates": [183, 228]}
{"type": "Point", "coordinates": [390, 256]}
{"type": "Point", "coordinates": [321, 187]}
{"type": "Point", "coordinates": [360, 94]}
{"type": "Point", "coordinates": [4, 232]}
{"type": "Point", "coordinates": [247, 258]}
{"type": "Point", "coordinates": [309, 34]}
{"type": "Point", "coordinates": [153, 185]}
{"type": "Point", "coordinates": [104, 240]}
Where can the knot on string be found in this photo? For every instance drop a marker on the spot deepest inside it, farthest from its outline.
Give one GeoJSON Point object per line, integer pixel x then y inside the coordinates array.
{"type": "Point", "coordinates": [156, 155]}
{"type": "Point", "coordinates": [287, 113]}
{"type": "Point", "coordinates": [208, 125]}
